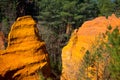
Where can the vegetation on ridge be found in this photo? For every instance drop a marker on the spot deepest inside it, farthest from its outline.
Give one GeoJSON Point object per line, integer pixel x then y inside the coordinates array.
{"type": "Point", "coordinates": [102, 61]}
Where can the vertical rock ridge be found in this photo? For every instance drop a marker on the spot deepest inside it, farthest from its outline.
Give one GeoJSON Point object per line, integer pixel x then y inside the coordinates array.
{"type": "Point", "coordinates": [25, 54]}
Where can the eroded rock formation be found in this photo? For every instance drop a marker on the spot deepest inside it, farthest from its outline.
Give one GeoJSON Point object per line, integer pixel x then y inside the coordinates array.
{"type": "Point", "coordinates": [25, 54]}
{"type": "Point", "coordinates": [80, 41]}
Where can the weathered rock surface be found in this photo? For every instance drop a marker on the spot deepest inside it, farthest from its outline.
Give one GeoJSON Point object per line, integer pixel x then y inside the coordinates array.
{"type": "Point", "coordinates": [2, 41]}
{"type": "Point", "coordinates": [25, 54]}
{"type": "Point", "coordinates": [80, 41]}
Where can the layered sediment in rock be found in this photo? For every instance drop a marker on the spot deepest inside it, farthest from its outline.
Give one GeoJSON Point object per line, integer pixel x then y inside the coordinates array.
{"type": "Point", "coordinates": [25, 54]}
{"type": "Point", "coordinates": [80, 41]}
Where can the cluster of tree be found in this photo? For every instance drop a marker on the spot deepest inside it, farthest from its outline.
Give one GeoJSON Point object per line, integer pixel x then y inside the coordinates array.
{"type": "Point", "coordinates": [60, 17]}
{"type": "Point", "coordinates": [102, 61]}
{"type": "Point", "coordinates": [57, 13]}
{"type": "Point", "coordinates": [7, 12]}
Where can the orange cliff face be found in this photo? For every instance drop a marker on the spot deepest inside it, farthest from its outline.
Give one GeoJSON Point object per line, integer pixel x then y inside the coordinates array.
{"type": "Point", "coordinates": [25, 54]}
{"type": "Point", "coordinates": [80, 41]}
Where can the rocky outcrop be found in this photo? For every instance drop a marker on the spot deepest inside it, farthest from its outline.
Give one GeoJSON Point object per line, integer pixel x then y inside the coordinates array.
{"type": "Point", "coordinates": [80, 41]}
{"type": "Point", "coordinates": [25, 54]}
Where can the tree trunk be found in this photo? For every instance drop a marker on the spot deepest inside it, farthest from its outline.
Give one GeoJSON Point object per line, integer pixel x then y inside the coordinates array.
{"type": "Point", "coordinates": [68, 28]}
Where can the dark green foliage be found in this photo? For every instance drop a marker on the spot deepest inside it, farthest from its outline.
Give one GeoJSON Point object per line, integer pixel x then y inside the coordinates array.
{"type": "Point", "coordinates": [63, 12]}
{"type": "Point", "coordinates": [106, 7]}
{"type": "Point", "coordinates": [56, 15]}
{"type": "Point", "coordinates": [117, 7]}
{"type": "Point", "coordinates": [7, 9]}
{"type": "Point", "coordinates": [113, 47]}
{"type": "Point", "coordinates": [86, 63]}
{"type": "Point", "coordinates": [92, 61]}
{"type": "Point", "coordinates": [7, 15]}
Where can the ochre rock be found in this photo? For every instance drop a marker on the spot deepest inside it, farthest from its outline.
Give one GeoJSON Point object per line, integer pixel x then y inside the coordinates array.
{"type": "Point", "coordinates": [2, 41]}
{"type": "Point", "coordinates": [80, 41]}
{"type": "Point", "coordinates": [25, 54]}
